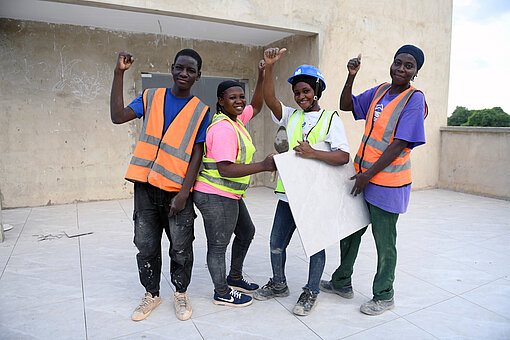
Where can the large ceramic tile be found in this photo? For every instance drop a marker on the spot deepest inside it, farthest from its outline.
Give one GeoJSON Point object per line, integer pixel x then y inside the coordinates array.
{"type": "Point", "coordinates": [335, 317]}
{"type": "Point", "coordinates": [433, 242]}
{"type": "Point", "coordinates": [399, 329]}
{"type": "Point", "coordinates": [448, 274]}
{"type": "Point", "coordinates": [185, 330]}
{"type": "Point", "coordinates": [51, 272]}
{"type": "Point", "coordinates": [15, 216]}
{"type": "Point", "coordinates": [115, 311]}
{"type": "Point", "coordinates": [482, 259]}
{"type": "Point", "coordinates": [257, 321]}
{"type": "Point", "coordinates": [458, 318]}
{"type": "Point", "coordinates": [498, 244]}
{"type": "Point", "coordinates": [411, 293]}
{"type": "Point", "coordinates": [63, 320]}
{"type": "Point", "coordinates": [3, 263]}
{"type": "Point", "coordinates": [494, 296]}
{"type": "Point", "coordinates": [33, 282]}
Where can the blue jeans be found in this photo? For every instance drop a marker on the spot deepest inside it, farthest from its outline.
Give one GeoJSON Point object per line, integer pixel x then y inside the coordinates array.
{"type": "Point", "coordinates": [223, 217]}
{"type": "Point", "coordinates": [152, 206]}
{"type": "Point", "coordinates": [281, 233]}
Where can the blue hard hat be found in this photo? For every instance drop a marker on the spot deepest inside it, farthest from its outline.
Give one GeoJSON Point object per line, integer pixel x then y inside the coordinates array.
{"type": "Point", "coordinates": [309, 70]}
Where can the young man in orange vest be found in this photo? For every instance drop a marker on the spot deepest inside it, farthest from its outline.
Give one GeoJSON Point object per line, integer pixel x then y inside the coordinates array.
{"type": "Point", "coordinates": [163, 168]}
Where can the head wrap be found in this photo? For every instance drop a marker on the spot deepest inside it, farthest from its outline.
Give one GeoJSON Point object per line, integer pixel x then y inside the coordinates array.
{"type": "Point", "coordinates": [415, 52]}
{"type": "Point", "coordinates": [224, 85]}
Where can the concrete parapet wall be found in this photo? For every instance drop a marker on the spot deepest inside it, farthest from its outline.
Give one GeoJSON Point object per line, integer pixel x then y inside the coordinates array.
{"type": "Point", "coordinates": [475, 160]}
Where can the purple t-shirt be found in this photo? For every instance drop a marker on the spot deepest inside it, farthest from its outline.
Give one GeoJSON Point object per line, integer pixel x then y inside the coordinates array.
{"type": "Point", "coordinates": [410, 127]}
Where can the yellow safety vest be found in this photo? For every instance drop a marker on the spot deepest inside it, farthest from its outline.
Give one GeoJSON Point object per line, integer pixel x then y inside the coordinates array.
{"type": "Point", "coordinates": [210, 173]}
{"type": "Point", "coordinates": [316, 134]}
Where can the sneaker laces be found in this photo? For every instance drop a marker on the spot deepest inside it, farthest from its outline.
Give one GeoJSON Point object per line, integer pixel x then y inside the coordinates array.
{"type": "Point", "coordinates": [305, 295]}
{"type": "Point", "coordinates": [146, 301]}
{"type": "Point", "coordinates": [244, 280]}
{"type": "Point", "coordinates": [181, 300]}
{"type": "Point", "coordinates": [269, 285]}
{"type": "Point", "coordinates": [235, 294]}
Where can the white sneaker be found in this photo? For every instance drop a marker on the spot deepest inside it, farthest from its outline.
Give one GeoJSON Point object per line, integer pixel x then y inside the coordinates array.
{"type": "Point", "coordinates": [145, 307]}
{"type": "Point", "coordinates": [182, 306]}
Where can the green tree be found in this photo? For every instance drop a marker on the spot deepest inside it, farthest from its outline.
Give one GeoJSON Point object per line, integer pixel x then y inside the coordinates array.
{"type": "Point", "coordinates": [489, 117]}
{"type": "Point", "coordinates": [459, 116]}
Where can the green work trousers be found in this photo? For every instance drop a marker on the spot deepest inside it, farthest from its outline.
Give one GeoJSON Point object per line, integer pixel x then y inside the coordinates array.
{"type": "Point", "coordinates": [384, 229]}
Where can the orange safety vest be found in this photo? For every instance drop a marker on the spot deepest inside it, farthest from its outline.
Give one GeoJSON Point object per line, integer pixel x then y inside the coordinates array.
{"type": "Point", "coordinates": [379, 134]}
{"type": "Point", "coordinates": [162, 160]}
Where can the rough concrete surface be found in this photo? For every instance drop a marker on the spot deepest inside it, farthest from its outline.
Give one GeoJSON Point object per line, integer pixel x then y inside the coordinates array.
{"type": "Point", "coordinates": [58, 144]}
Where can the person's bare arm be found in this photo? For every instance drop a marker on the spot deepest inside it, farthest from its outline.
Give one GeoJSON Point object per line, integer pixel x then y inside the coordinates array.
{"type": "Point", "coordinates": [346, 97]}
{"type": "Point", "coordinates": [258, 95]}
{"type": "Point", "coordinates": [271, 55]}
{"type": "Point", "coordinates": [120, 114]}
{"type": "Point", "coordinates": [233, 170]}
{"type": "Point", "coordinates": [336, 157]}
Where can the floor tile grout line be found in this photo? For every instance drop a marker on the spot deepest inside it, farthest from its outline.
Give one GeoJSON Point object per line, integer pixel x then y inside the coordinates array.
{"type": "Point", "coordinates": [15, 243]}
{"type": "Point", "coordinates": [125, 213]}
{"type": "Point", "coordinates": [198, 330]}
{"type": "Point", "coordinates": [412, 323]}
{"type": "Point", "coordinates": [81, 275]}
{"type": "Point", "coordinates": [299, 319]}
{"type": "Point", "coordinates": [464, 298]}
{"type": "Point", "coordinates": [430, 283]}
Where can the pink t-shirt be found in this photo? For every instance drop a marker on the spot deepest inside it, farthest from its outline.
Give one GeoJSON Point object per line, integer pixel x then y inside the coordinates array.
{"type": "Point", "coordinates": [221, 145]}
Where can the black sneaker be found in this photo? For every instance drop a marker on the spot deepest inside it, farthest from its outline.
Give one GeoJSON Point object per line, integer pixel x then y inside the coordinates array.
{"type": "Point", "coordinates": [306, 303]}
{"type": "Point", "coordinates": [345, 292]}
{"type": "Point", "coordinates": [242, 285]}
{"type": "Point", "coordinates": [232, 298]}
{"type": "Point", "coordinates": [270, 290]}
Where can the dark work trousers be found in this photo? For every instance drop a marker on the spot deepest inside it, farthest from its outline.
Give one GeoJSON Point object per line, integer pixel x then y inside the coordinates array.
{"type": "Point", "coordinates": [384, 229]}
{"type": "Point", "coordinates": [152, 206]}
{"type": "Point", "coordinates": [223, 217]}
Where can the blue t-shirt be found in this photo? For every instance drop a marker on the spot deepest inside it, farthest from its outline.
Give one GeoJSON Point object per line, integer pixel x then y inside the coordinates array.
{"type": "Point", "coordinates": [173, 105]}
{"type": "Point", "coordinates": [410, 127]}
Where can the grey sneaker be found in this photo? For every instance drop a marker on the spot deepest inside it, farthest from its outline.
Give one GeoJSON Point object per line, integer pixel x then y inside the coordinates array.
{"type": "Point", "coordinates": [306, 303]}
{"type": "Point", "coordinates": [182, 306]}
{"type": "Point", "coordinates": [345, 292]}
{"type": "Point", "coordinates": [145, 307]}
{"type": "Point", "coordinates": [376, 307]}
{"type": "Point", "coordinates": [270, 290]}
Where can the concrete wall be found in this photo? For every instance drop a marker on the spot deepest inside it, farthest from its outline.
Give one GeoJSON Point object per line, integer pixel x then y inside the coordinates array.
{"type": "Point", "coordinates": [476, 160]}
{"type": "Point", "coordinates": [58, 145]}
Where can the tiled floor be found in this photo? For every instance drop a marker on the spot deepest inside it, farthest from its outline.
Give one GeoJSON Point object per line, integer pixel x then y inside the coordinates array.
{"type": "Point", "coordinates": [452, 279]}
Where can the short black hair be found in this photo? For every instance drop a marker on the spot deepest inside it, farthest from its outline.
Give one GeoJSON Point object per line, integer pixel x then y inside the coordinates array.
{"type": "Point", "coordinates": [190, 53]}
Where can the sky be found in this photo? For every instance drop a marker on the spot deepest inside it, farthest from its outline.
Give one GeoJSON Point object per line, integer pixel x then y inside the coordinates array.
{"type": "Point", "coordinates": [480, 57]}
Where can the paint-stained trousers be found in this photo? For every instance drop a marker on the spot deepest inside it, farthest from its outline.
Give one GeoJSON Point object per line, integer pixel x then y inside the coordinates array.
{"type": "Point", "coordinates": [152, 206]}
{"type": "Point", "coordinates": [384, 229]}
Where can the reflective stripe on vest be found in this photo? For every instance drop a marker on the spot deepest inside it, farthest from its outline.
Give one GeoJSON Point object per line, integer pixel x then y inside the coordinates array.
{"type": "Point", "coordinates": [162, 160]}
{"type": "Point", "coordinates": [210, 173]}
{"type": "Point", "coordinates": [378, 136]}
{"type": "Point", "coordinates": [295, 132]}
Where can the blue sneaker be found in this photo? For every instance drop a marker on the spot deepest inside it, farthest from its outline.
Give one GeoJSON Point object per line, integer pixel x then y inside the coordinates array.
{"type": "Point", "coordinates": [242, 285]}
{"type": "Point", "coordinates": [232, 298]}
